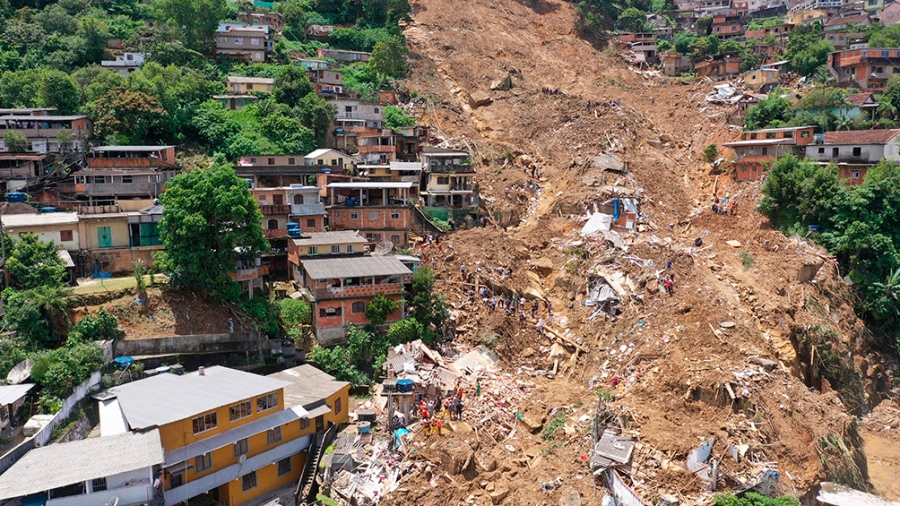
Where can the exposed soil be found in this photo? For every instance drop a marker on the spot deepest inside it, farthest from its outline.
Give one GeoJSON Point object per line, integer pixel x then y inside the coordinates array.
{"type": "Point", "coordinates": [670, 354]}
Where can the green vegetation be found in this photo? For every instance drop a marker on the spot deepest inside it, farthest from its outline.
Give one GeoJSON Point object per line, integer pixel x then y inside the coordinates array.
{"type": "Point", "coordinates": [710, 153]}
{"type": "Point", "coordinates": [551, 430]}
{"type": "Point", "coordinates": [746, 259]}
{"type": "Point", "coordinates": [859, 225]}
{"type": "Point", "coordinates": [395, 117]}
{"type": "Point", "coordinates": [752, 499]}
{"type": "Point", "coordinates": [210, 222]}
{"type": "Point", "coordinates": [380, 307]}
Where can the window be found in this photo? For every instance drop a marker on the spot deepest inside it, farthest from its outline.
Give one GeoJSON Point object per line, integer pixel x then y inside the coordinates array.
{"type": "Point", "coordinates": [337, 406]}
{"type": "Point", "coordinates": [241, 447]}
{"type": "Point", "coordinates": [395, 215]}
{"type": "Point", "coordinates": [443, 180]}
{"type": "Point", "coordinates": [376, 110]}
{"type": "Point", "coordinates": [266, 402]}
{"type": "Point", "coordinates": [354, 215]}
{"type": "Point", "coordinates": [127, 179]}
{"type": "Point", "coordinates": [176, 479]}
{"type": "Point", "coordinates": [320, 162]}
{"type": "Point", "coordinates": [835, 152]}
{"type": "Point", "coordinates": [65, 235]}
{"type": "Point", "coordinates": [248, 481]}
{"type": "Point", "coordinates": [788, 135]}
{"type": "Point", "coordinates": [238, 41]}
{"type": "Point", "coordinates": [765, 151]}
{"type": "Point", "coordinates": [373, 215]}
{"type": "Point", "coordinates": [253, 160]}
{"type": "Point", "coordinates": [359, 307]}
{"type": "Point", "coordinates": [348, 108]}
{"type": "Point", "coordinates": [241, 410]}
{"type": "Point", "coordinates": [335, 249]}
{"type": "Point", "coordinates": [821, 151]}
{"type": "Point", "coordinates": [284, 466]}
{"type": "Point", "coordinates": [348, 248]}
{"type": "Point", "coordinates": [334, 162]}
{"type": "Point", "coordinates": [304, 423]}
{"type": "Point", "coordinates": [329, 311]}
{"type": "Point", "coordinates": [98, 484]}
{"type": "Point", "coordinates": [854, 174]}
{"type": "Point", "coordinates": [272, 224]}
{"type": "Point", "coordinates": [205, 422]}
{"type": "Point", "coordinates": [203, 462]}
{"type": "Point", "coordinates": [395, 239]}
{"type": "Point", "coordinates": [311, 223]}
{"type": "Point", "coordinates": [273, 435]}
{"type": "Point", "coordinates": [312, 250]}
{"type": "Point", "coordinates": [99, 179]}
{"type": "Point", "coordinates": [857, 151]}
{"type": "Point", "coordinates": [292, 161]}
{"type": "Point", "coordinates": [254, 42]}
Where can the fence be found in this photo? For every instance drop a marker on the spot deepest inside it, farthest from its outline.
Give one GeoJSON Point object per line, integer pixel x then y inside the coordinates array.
{"type": "Point", "coordinates": [43, 436]}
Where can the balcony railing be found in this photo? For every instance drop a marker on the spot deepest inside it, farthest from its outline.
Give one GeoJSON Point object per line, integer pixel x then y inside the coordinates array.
{"type": "Point", "coordinates": [275, 209]}
{"type": "Point", "coordinates": [356, 291]}
{"type": "Point", "coordinates": [307, 209]}
{"type": "Point", "coordinates": [441, 168]}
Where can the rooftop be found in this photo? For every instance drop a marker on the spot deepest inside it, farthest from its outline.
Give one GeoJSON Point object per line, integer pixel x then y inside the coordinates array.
{"type": "Point", "coordinates": [860, 136]}
{"type": "Point", "coordinates": [59, 465]}
{"type": "Point", "coordinates": [307, 385]}
{"type": "Point", "coordinates": [324, 238]}
{"type": "Point", "coordinates": [9, 394]}
{"type": "Point", "coordinates": [37, 220]}
{"type": "Point", "coordinates": [847, 19]}
{"type": "Point", "coordinates": [364, 185]}
{"type": "Point", "coordinates": [253, 80]}
{"type": "Point", "coordinates": [354, 267]}
{"type": "Point", "coordinates": [859, 99]}
{"type": "Point", "coordinates": [42, 118]}
{"type": "Point", "coordinates": [759, 142]}
{"type": "Point", "coordinates": [785, 129]}
{"type": "Point", "coordinates": [433, 151]}
{"type": "Point", "coordinates": [319, 152]}
{"type": "Point", "coordinates": [167, 398]}
{"type": "Point", "coordinates": [130, 148]}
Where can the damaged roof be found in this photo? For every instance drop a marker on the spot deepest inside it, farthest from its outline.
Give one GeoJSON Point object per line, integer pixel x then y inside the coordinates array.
{"type": "Point", "coordinates": [307, 385]}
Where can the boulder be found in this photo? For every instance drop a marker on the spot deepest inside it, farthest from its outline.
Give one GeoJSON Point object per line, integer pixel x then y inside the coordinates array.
{"type": "Point", "coordinates": [534, 423]}
{"type": "Point", "coordinates": [557, 351]}
{"type": "Point", "coordinates": [503, 84]}
{"type": "Point", "coordinates": [499, 494]}
{"type": "Point", "coordinates": [479, 99]}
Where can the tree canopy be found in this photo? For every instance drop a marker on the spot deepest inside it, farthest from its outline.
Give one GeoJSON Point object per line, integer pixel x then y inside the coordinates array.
{"type": "Point", "coordinates": [210, 221]}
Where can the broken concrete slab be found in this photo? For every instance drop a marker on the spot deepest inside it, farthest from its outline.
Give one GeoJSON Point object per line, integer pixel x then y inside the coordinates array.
{"type": "Point", "coordinates": [809, 270]}
{"type": "Point", "coordinates": [479, 99]}
{"type": "Point", "coordinates": [767, 364]}
{"type": "Point", "coordinates": [498, 495]}
{"type": "Point", "coordinates": [733, 244]}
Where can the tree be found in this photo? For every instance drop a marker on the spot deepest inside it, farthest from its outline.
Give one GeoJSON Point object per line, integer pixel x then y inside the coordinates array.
{"type": "Point", "coordinates": [15, 141]}
{"type": "Point", "coordinates": [684, 42]}
{"type": "Point", "coordinates": [710, 153]}
{"type": "Point", "coordinates": [198, 20]}
{"type": "Point", "coordinates": [406, 330]}
{"type": "Point", "coordinates": [33, 263]}
{"type": "Point", "coordinates": [885, 36]}
{"type": "Point", "coordinates": [131, 116]}
{"type": "Point", "coordinates": [395, 117]}
{"type": "Point", "coordinates": [99, 326]}
{"type": "Point", "coordinates": [428, 308]}
{"type": "Point", "coordinates": [822, 98]}
{"type": "Point", "coordinates": [288, 132]}
{"type": "Point", "coordinates": [210, 221]}
{"type": "Point", "coordinates": [380, 307]}
{"type": "Point", "coordinates": [889, 101]}
{"type": "Point", "coordinates": [773, 108]}
{"type": "Point", "coordinates": [58, 91]}
{"type": "Point", "coordinates": [632, 20]}
{"type": "Point", "coordinates": [294, 312]}
{"type": "Point", "coordinates": [808, 61]}
{"type": "Point", "coordinates": [389, 57]}
{"type": "Point", "coordinates": [291, 85]}
{"type": "Point", "coordinates": [317, 115]}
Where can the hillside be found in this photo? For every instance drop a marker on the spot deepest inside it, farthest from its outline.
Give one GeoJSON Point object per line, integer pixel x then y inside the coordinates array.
{"type": "Point", "coordinates": [680, 357]}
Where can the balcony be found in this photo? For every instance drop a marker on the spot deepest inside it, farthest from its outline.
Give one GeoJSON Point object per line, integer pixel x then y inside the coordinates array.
{"type": "Point", "coordinates": [250, 274]}
{"type": "Point", "coordinates": [356, 291]}
{"type": "Point", "coordinates": [453, 168]}
{"type": "Point", "coordinates": [378, 149]}
{"type": "Point", "coordinates": [275, 209]}
{"type": "Point", "coordinates": [105, 189]}
{"type": "Point", "coordinates": [145, 162]}
{"type": "Point", "coordinates": [308, 209]}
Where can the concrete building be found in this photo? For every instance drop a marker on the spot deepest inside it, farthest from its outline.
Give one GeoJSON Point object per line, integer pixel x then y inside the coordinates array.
{"type": "Point", "coordinates": [274, 20]}
{"type": "Point", "coordinates": [855, 151]}
{"type": "Point", "coordinates": [58, 228]}
{"type": "Point", "coordinates": [322, 245]}
{"type": "Point", "coordinates": [114, 241]}
{"type": "Point", "coordinates": [117, 172]}
{"type": "Point", "coordinates": [244, 42]}
{"type": "Point", "coordinates": [47, 133]}
{"type": "Point", "coordinates": [343, 55]}
{"type": "Point", "coordinates": [228, 436]}
{"type": "Point", "coordinates": [757, 149]}
{"type": "Point", "coordinates": [125, 63]}
{"type": "Point", "coordinates": [18, 169]}
{"type": "Point", "coordinates": [449, 178]}
{"type": "Point", "coordinates": [868, 69]}
{"type": "Point", "coordinates": [387, 146]}
{"type": "Point", "coordinates": [340, 288]}
{"type": "Point", "coordinates": [240, 85]}
{"type": "Point", "coordinates": [102, 470]}
{"type": "Point", "coordinates": [719, 68]}
{"type": "Point", "coordinates": [329, 158]}
{"type": "Point", "coordinates": [890, 14]}
{"type": "Point", "coordinates": [852, 23]}
{"type": "Point", "coordinates": [270, 171]}
{"type": "Point", "coordinates": [380, 211]}
{"type": "Point", "coordinates": [235, 102]}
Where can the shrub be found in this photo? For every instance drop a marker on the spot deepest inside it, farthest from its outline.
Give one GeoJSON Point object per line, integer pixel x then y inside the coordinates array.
{"type": "Point", "coordinates": [710, 153]}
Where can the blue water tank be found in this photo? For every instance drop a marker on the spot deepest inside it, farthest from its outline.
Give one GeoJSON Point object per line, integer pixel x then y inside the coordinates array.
{"type": "Point", "coordinates": [48, 209]}
{"type": "Point", "coordinates": [15, 197]}
{"type": "Point", "coordinates": [294, 233]}
{"type": "Point", "coordinates": [292, 224]}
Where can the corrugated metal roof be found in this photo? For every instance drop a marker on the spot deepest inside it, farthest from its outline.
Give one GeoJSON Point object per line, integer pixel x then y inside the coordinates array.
{"type": "Point", "coordinates": [354, 267]}
{"type": "Point", "coordinates": [167, 398]}
{"type": "Point", "coordinates": [130, 148]}
{"type": "Point", "coordinates": [11, 393]}
{"type": "Point", "coordinates": [254, 80]}
{"type": "Point", "coordinates": [37, 220]}
{"type": "Point", "coordinates": [59, 465]}
{"type": "Point", "coordinates": [230, 437]}
{"type": "Point", "coordinates": [406, 166]}
{"type": "Point", "coordinates": [319, 152]}
{"type": "Point", "coordinates": [308, 385]}
{"type": "Point", "coordinates": [336, 237]}
{"type": "Point", "coordinates": [363, 185]}
{"type": "Point", "coordinates": [66, 258]}
{"type": "Point", "coordinates": [43, 118]}
{"type": "Point", "coordinates": [321, 410]}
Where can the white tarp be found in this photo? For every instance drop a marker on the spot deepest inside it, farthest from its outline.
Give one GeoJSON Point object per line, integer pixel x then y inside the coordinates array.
{"type": "Point", "coordinates": [598, 222]}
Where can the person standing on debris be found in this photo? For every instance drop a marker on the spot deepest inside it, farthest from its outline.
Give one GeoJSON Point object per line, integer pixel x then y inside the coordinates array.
{"type": "Point", "coordinates": [549, 308]}
{"type": "Point", "coordinates": [458, 408]}
{"type": "Point", "coordinates": [540, 327]}
{"type": "Point", "coordinates": [534, 309]}
{"type": "Point", "coordinates": [522, 317]}
{"type": "Point", "coordinates": [493, 304]}
{"type": "Point", "coordinates": [734, 206]}
{"type": "Point", "coordinates": [667, 283]}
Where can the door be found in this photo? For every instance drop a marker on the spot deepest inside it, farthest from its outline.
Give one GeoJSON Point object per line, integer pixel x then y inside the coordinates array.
{"type": "Point", "coordinates": [278, 199]}
{"type": "Point", "coordinates": [320, 423]}
{"type": "Point", "coordinates": [104, 237]}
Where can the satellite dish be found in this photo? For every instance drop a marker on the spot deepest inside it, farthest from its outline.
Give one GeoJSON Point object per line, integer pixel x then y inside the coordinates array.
{"type": "Point", "coordinates": [20, 373]}
{"type": "Point", "coordinates": [242, 459]}
{"type": "Point", "coordinates": [383, 248]}
{"type": "Point", "coordinates": [114, 502]}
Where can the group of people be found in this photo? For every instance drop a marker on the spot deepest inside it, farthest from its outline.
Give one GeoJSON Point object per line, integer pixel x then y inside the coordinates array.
{"type": "Point", "coordinates": [725, 206]}
{"type": "Point", "coordinates": [551, 91]}
{"type": "Point", "coordinates": [434, 413]}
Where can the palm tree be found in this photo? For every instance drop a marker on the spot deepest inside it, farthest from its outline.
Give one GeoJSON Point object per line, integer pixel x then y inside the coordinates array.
{"type": "Point", "coordinates": [52, 303]}
{"type": "Point", "coordinates": [887, 108]}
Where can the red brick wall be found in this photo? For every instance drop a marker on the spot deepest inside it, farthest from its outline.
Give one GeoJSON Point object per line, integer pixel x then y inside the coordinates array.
{"type": "Point", "coordinates": [749, 171]}
{"type": "Point", "coordinates": [348, 316]}
{"type": "Point", "coordinates": [341, 218]}
{"type": "Point", "coordinates": [319, 223]}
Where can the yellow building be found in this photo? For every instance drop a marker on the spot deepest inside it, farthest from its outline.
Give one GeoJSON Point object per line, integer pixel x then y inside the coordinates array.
{"type": "Point", "coordinates": [229, 436]}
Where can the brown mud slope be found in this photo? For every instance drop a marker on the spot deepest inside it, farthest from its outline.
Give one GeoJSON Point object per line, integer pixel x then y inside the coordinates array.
{"type": "Point", "coordinates": [782, 298]}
